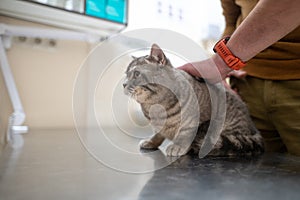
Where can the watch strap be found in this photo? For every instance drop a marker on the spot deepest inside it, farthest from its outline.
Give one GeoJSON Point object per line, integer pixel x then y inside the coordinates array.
{"type": "Point", "coordinates": [228, 57]}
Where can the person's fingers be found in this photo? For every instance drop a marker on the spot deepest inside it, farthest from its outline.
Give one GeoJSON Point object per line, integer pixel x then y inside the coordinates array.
{"type": "Point", "coordinates": [226, 85]}
{"type": "Point", "coordinates": [185, 66]}
{"type": "Point", "coordinates": [190, 68]}
{"type": "Point", "coordinates": [238, 74]}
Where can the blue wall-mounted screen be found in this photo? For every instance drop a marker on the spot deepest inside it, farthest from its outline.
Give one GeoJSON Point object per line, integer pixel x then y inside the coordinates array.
{"type": "Point", "coordinates": [112, 10]}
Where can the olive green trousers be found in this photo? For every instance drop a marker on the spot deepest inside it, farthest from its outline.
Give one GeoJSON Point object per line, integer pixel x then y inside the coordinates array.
{"type": "Point", "coordinates": [275, 109]}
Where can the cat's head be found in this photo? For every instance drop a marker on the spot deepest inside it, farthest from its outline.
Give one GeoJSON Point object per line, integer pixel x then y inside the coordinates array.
{"type": "Point", "coordinates": [141, 71]}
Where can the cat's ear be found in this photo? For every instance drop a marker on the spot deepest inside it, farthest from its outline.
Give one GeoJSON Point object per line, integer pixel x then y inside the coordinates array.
{"type": "Point", "coordinates": [158, 54]}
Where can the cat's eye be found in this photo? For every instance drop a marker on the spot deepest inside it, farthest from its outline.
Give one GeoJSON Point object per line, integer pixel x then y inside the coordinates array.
{"type": "Point", "coordinates": [136, 74]}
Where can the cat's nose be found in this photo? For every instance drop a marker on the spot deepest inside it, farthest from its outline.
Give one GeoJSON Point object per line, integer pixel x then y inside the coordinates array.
{"type": "Point", "coordinates": [124, 85]}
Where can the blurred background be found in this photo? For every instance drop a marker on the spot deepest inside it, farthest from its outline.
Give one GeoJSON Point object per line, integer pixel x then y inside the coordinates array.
{"type": "Point", "coordinates": [44, 65]}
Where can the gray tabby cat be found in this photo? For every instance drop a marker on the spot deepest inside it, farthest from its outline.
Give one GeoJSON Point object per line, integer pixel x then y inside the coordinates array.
{"type": "Point", "coordinates": [167, 103]}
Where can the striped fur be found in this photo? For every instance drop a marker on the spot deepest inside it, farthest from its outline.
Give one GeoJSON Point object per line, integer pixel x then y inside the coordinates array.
{"type": "Point", "coordinates": [166, 101]}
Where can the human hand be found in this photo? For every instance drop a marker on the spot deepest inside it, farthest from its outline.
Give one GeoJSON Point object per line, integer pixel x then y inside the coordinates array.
{"type": "Point", "coordinates": [240, 74]}
{"type": "Point", "coordinates": [213, 69]}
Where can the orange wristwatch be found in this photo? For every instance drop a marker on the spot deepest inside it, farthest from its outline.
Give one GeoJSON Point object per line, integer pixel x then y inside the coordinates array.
{"type": "Point", "coordinates": [231, 60]}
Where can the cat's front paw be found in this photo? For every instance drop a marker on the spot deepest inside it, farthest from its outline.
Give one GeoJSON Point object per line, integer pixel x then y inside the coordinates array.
{"type": "Point", "coordinates": [175, 150]}
{"type": "Point", "coordinates": [147, 144]}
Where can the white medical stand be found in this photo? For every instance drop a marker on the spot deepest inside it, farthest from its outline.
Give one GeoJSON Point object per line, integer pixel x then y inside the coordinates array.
{"type": "Point", "coordinates": [17, 118]}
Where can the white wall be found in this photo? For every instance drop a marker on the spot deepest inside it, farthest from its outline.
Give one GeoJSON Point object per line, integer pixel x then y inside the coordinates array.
{"type": "Point", "coordinates": [197, 19]}
{"type": "Point", "coordinates": [44, 76]}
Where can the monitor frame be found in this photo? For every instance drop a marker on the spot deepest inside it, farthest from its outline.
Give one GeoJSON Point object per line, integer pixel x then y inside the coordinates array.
{"type": "Point", "coordinates": [59, 17]}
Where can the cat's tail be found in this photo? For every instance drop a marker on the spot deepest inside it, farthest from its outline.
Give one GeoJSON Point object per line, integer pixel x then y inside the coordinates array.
{"type": "Point", "coordinates": [232, 145]}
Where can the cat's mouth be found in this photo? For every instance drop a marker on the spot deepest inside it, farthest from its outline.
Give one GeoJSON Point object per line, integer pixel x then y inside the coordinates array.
{"type": "Point", "coordinates": [138, 92]}
{"type": "Point", "coordinates": [131, 91]}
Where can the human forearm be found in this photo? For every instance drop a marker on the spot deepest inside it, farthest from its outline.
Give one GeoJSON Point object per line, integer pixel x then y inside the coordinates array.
{"type": "Point", "coordinates": [268, 22]}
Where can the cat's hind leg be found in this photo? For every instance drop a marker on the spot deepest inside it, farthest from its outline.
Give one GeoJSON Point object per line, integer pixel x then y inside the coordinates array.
{"type": "Point", "coordinates": [237, 144]}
